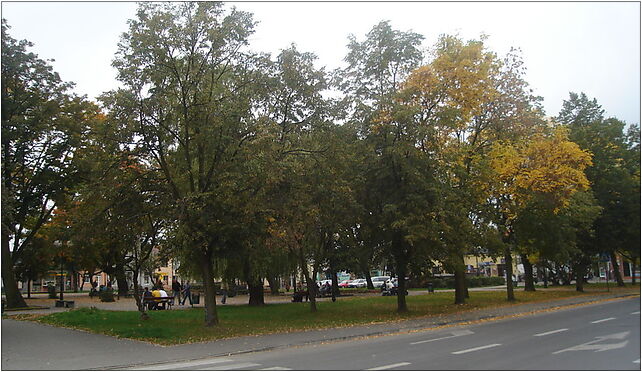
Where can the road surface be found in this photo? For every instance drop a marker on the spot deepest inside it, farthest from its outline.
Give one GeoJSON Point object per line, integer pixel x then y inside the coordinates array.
{"type": "Point", "coordinates": [604, 336]}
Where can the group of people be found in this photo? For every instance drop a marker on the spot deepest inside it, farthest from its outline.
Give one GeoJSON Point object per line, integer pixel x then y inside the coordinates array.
{"type": "Point", "coordinates": [180, 293]}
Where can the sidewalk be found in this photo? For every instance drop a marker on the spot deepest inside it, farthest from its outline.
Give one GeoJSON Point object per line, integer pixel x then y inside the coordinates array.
{"type": "Point", "coordinates": [29, 345]}
{"type": "Point", "coordinates": [128, 304]}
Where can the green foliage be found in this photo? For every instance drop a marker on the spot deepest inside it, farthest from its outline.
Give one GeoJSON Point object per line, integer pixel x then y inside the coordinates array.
{"type": "Point", "coordinates": [42, 126]}
{"type": "Point", "coordinates": [614, 175]}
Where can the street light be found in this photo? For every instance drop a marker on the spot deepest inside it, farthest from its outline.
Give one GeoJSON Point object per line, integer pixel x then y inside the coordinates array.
{"type": "Point", "coordinates": [62, 281]}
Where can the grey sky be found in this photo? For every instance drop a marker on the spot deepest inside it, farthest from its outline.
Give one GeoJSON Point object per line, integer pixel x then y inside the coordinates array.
{"type": "Point", "coordinates": [583, 47]}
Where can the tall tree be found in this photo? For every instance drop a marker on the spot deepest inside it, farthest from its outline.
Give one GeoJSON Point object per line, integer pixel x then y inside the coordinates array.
{"type": "Point", "coordinates": [188, 98]}
{"type": "Point", "coordinates": [614, 174]}
{"type": "Point", "coordinates": [547, 168]}
{"type": "Point", "coordinates": [377, 67]}
{"type": "Point", "coordinates": [42, 126]}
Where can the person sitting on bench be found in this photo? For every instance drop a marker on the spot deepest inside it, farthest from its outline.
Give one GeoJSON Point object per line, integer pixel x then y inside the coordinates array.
{"type": "Point", "coordinates": [160, 304]}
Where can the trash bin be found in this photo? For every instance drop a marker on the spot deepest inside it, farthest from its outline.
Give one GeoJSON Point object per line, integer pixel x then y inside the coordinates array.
{"type": "Point", "coordinates": [196, 298]}
{"type": "Point", "coordinates": [431, 289]}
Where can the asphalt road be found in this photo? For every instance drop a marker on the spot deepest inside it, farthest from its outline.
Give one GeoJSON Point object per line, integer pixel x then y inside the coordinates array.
{"type": "Point", "coordinates": [603, 336]}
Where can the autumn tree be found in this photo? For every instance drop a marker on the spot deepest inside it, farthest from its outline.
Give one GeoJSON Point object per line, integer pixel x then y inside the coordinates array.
{"type": "Point", "coordinates": [547, 168]}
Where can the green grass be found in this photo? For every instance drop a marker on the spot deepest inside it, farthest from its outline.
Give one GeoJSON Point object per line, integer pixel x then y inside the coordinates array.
{"type": "Point", "coordinates": [186, 325]}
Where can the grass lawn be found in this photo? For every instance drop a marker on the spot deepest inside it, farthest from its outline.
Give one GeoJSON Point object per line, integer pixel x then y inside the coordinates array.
{"type": "Point", "coordinates": [186, 325]}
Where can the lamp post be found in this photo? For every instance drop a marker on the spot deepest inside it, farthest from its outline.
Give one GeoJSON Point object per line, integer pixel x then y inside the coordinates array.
{"type": "Point", "coordinates": [62, 281]}
{"type": "Point", "coordinates": [62, 278]}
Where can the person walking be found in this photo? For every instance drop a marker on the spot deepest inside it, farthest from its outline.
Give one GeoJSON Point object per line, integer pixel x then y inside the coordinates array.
{"type": "Point", "coordinates": [176, 290]}
{"type": "Point", "coordinates": [187, 293]}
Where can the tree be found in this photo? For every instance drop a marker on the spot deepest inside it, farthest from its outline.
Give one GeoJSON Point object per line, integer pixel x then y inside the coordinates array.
{"type": "Point", "coordinates": [449, 93]}
{"type": "Point", "coordinates": [188, 99]}
{"type": "Point", "coordinates": [376, 69]}
{"type": "Point", "coordinates": [42, 126]}
{"type": "Point", "coordinates": [614, 175]}
{"type": "Point", "coordinates": [546, 169]}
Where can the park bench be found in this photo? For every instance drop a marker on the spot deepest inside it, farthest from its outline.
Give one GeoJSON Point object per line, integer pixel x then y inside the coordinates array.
{"type": "Point", "coordinates": [167, 301]}
{"type": "Point", "coordinates": [65, 303]}
{"type": "Point", "coordinates": [298, 296]}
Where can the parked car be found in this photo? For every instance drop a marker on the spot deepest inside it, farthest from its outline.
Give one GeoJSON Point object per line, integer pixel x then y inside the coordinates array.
{"type": "Point", "coordinates": [322, 282]}
{"type": "Point", "coordinates": [378, 281]}
{"type": "Point", "coordinates": [345, 283]}
{"type": "Point", "coordinates": [358, 283]}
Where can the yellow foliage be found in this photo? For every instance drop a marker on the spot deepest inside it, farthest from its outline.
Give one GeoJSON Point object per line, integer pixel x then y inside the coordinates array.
{"type": "Point", "coordinates": [551, 166]}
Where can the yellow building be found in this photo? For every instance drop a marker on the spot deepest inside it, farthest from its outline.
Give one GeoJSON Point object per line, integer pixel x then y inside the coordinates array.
{"type": "Point", "coordinates": [489, 266]}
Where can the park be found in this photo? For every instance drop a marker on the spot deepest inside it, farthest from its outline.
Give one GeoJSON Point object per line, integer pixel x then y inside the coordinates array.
{"type": "Point", "coordinates": [417, 181]}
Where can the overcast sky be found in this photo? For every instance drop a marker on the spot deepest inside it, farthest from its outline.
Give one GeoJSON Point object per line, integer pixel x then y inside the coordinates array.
{"type": "Point", "coordinates": [582, 47]}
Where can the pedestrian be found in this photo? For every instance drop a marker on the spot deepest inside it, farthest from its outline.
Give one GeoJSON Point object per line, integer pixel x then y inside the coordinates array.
{"type": "Point", "coordinates": [224, 290]}
{"type": "Point", "coordinates": [176, 290]}
{"type": "Point", "coordinates": [146, 296]}
{"type": "Point", "coordinates": [187, 288]}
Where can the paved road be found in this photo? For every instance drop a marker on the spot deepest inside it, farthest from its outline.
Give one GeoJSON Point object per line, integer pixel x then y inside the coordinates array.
{"type": "Point", "coordinates": [604, 336]}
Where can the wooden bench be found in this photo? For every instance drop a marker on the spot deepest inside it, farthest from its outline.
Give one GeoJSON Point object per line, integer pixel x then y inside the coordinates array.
{"type": "Point", "coordinates": [167, 301]}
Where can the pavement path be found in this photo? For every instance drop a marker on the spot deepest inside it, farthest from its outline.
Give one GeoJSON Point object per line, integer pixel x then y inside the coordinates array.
{"type": "Point", "coordinates": [123, 304]}
{"type": "Point", "coordinates": [31, 346]}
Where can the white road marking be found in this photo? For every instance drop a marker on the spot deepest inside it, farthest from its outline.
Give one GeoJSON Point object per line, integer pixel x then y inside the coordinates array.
{"type": "Point", "coordinates": [551, 332]}
{"type": "Point", "coordinates": [602, 320]}
{"type": "Point", "coordinates": [592, 345]}
{"type": "Point", "coordinates": [635, 313]}
{"type": "Point", "coordinates": [172, 366]}
{"type": "Point", "coordinates": [275, 369]}
{"type": "Point", "coordinates": [475, 349]}
{"type": "Point", "coordinates": [457, 333]}
{"type": "Point", "coordinates": [229, 366]}
{"type": "Point", "coordinates": [637, 361]}
{"type": "Point", "coordinates": [388, 366]}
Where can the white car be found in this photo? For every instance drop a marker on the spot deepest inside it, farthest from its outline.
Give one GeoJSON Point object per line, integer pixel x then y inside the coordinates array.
{"type": "Point", "coordinates": [358, 283]}
{"type": "Point", "coordinates": [378, 281]}
{"type": "Point", "coordinates": [322, 283]}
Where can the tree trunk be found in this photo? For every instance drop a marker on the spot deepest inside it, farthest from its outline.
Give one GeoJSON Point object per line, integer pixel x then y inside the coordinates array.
{"type": "Point", "coordinates": [616, 270]}
{"type": "Point", "coordinates": [254, 285]}
{"type": "Point", "coordinates": [369, 279]}
{"type": "Point", "coordinates": [460, 284]}
{"type": "Point", "coordinates": [74, 279]}
{"type": "Point", "coordinates": [335, 284]}
{"type": "Point", "coordinates": [580, 270]}
{"type": "Point", "coordinates": [138, 298]}
{"type": "Point", "coordinates": [402, 306]}
{"type": "Point", "coordinates": [255, 289]}
{"type": "Point", "coordinates": [211, 317]}
{"type": "Point", "coordinates": [508, 259]}
{"type": "Point", "coordinates": [12, 293]}
{"type": "Point", "coordinates": [529, 286]}
{"type": "Point", "coordinates": [274, 285]}
{"type": "Point", "coordinates": [121, 279]}
{"type": "Point", "coordinates": [312, 287]}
